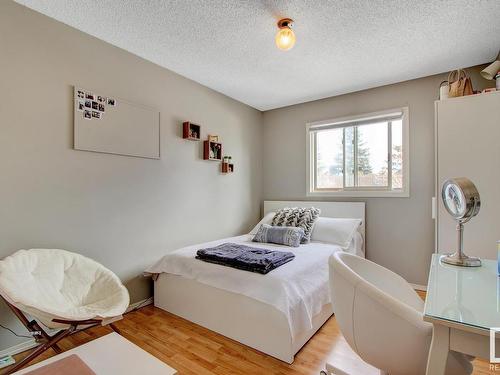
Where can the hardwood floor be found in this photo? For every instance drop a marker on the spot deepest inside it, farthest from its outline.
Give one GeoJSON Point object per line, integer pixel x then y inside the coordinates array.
{"type": "Point", "coordinates": [192, 349]}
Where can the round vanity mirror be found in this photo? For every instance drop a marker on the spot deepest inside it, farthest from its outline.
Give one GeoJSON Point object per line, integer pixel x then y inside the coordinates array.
{"type": "Point", "coordinates": [461, 200]}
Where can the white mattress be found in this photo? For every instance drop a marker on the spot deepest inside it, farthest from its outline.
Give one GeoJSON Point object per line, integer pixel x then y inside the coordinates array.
{"type": "Point", "coordinates": [299, 289]}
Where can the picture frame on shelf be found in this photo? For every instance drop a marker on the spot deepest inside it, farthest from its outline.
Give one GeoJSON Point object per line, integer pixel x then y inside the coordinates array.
{"type": "Point", "coordinates": [212, 151]}
{"type": "Point", "coordinates": [213, 138]}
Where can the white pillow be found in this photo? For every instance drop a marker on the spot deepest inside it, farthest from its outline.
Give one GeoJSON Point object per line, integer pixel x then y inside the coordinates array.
{"type": "Point", "coordinates": [336, 231]}
{"type": "Point", "coordinates": [266, 220]}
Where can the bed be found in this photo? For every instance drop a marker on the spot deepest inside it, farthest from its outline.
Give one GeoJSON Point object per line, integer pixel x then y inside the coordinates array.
{"type": "Point", "coordinates": [275, 313]}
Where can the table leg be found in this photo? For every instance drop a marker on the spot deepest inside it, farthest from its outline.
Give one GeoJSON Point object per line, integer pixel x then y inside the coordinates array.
{"type": "Point", "coordinates": [438, 353]}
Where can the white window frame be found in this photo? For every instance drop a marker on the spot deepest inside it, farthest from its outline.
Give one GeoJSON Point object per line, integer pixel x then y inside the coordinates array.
{"type": "Point", "coordinates": [357, 191]}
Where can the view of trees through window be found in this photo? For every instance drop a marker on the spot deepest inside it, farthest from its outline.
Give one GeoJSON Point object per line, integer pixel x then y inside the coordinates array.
{"type": "Point", "coordinates": [364, 156]}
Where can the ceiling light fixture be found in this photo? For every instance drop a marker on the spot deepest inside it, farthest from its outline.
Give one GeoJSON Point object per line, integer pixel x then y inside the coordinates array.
{"type": "Point", "coordinates": [285, 38]}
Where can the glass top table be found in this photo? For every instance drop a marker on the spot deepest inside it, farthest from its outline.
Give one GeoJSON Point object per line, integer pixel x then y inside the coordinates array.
{"type": "Point", "coordinates": [464, 295]}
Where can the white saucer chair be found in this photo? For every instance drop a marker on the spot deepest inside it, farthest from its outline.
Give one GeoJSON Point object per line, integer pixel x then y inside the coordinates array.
{"type": "Point", "coordinates": [381, 317]}
{"type": "Point", "coordinates": [61, 290]}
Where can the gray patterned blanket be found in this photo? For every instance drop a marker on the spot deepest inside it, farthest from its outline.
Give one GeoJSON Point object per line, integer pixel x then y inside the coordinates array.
{"type": "Point", "coordinates": [245, 257]}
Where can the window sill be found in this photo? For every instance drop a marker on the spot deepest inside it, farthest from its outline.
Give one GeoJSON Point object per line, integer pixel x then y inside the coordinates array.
{"type": "Point", "coordinates": [360, 194]}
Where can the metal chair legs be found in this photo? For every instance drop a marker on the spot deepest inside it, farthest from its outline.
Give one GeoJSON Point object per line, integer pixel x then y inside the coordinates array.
{"type": "Point", "coordinates": [115, 328]}
{"type": "Point", "coordinates": [41, 348]}
{"type": "Point", "coordinates": [46, 341]}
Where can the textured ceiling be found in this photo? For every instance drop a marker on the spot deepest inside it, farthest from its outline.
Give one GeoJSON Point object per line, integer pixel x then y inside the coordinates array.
{"type": "Point", "coordinates": [342, 46]}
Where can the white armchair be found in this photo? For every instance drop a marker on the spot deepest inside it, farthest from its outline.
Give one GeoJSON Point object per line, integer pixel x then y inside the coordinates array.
{"type": "Point", "coordinates": [380, 316]}
{"type": "Point", "coordinates": [62, 290]}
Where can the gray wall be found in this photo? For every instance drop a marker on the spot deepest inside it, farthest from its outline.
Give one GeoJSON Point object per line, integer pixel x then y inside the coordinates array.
{"type": "Point", "coordinates": [124, 212]}
{"type": "Point", "coordinates": [400, 231]}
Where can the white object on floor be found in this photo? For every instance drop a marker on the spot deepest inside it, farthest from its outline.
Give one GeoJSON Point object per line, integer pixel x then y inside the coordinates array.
{"type": "Point", "coordinates": [111, 355]}
{"type": "Point", "coordinates": [358, 367]}
{"type": "Point", "coordinates": [462, 305]}
{"type": "Point", "coordinates": [381, 317]}
{"type": "Point", "coordinates": [57, 284]}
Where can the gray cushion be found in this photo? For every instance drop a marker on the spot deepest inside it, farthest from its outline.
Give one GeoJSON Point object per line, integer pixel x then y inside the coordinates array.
{"type": "Point", "coordinates": [297, 217]}
{"type": "Point", "coordinates": [289, 236]}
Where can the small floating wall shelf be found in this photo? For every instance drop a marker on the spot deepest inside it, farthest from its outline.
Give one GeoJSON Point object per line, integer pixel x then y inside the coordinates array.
{"type": "Point", "coordinates": [227, 167]}
{"type": "Point", "coordinates": [191, 131]}
{"type": "Point", "coordinates": [212, 151]}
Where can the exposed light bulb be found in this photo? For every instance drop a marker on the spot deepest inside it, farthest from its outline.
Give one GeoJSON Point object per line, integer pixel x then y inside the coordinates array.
{"type": "Point", "coordinates": [285, 38]}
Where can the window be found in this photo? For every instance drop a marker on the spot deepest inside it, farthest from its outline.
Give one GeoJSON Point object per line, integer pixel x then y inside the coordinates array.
{"type": "Point", "coordinates": [364, 155]}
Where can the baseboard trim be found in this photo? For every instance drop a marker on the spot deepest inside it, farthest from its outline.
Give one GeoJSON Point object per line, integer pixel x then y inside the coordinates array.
{"type": "Point", "coordinates": [19, 348]}
{"type": "Point", "coordinates": [419, 287]}
{"type": "Point", "coordinates": [30, 344]}
{"type": "Point", "coordinates": [144, 302]}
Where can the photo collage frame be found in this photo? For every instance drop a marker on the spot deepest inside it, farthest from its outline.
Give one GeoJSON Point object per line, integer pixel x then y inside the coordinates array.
{"type": "Point", "coordinates": [91, 105]}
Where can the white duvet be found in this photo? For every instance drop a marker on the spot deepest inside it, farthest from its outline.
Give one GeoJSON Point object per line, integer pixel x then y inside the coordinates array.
{"type": "Point", "coordinates": [299, 289]}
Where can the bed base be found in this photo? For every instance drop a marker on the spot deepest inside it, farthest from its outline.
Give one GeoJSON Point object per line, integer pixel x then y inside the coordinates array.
{"type": "Point", "coordinates": [43, 338]}
{"type": "Point", "coordinates": [244, 319]}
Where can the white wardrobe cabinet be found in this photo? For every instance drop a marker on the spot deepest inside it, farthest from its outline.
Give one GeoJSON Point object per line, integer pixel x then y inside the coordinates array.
{"type": "Point", "coordinates": [468, 145]}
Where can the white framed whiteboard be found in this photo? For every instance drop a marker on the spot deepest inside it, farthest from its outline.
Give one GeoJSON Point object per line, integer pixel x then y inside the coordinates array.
{"type": "Point", "coordinates": [111, 125]}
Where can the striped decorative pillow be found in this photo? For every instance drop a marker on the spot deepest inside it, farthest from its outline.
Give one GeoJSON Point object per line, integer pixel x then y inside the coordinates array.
{"type": "Point", "coordinates": [297, 217]}
{"type": "Point", "coordinates": [289, 236]}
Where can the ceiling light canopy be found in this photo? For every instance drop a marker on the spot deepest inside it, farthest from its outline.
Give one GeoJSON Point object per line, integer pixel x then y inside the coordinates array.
{"type": "Point", "coordinates": [285, 38]}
